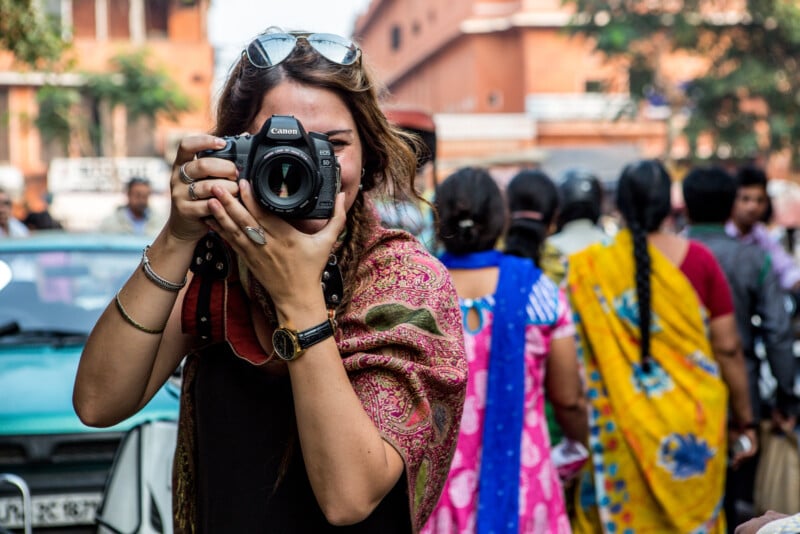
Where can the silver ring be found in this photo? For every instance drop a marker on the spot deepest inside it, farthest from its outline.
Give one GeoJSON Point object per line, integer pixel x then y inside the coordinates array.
{"type": "Point", "coordinates": [185, 178]}
{"type": "Point", "coordinates": [192, 194]}
{"type": "Point", "coordinates": [256, 234]}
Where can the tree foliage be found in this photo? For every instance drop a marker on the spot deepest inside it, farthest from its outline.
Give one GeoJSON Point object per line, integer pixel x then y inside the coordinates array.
{"type": "Point", "coordinates": [747, 100]}
{"type": "Point", "coordinates": [144, 91]}
{"type": "Point", "coordinates": [28, 34]}
{"type": "Point", "coordinates": [57, 118]}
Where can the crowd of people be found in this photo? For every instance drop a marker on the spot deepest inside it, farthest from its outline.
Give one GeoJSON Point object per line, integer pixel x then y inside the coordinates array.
{"type": "Point", "coordinates": [663, 327]}
{"type": "Point", "coordinates": [135, 217]}
{"type": "Point", "coordinates": [515, 369]}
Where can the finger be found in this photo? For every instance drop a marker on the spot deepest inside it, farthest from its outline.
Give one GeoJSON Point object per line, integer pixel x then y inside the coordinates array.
{"type": "Point", "coordinates": [203, 189]}
{"type": "Point", "coordinates": [191, 145]}
{"type": "Point", "coordinates": [229, 212]}
{"type": "Point", "coordinates": [211, 167]}
{"type": "Point", "coordinates": [339, 219]}
{"type": "Point", "coordinates": [248, 200]}
{"type": "Point", "coordinates": [258, 214]}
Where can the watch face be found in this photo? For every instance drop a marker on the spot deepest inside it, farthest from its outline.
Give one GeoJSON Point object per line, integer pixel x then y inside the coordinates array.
{"type": "Point", "coordinates": [284, 344]}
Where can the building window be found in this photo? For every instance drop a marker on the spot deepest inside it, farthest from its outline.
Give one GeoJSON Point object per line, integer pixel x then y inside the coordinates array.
{"type": "Point", "coordinates": [594, 86]}
{"type": "Point", "coordinates": [5, 151]}
{"type": "Point", "coordinates": [495, 99]}
{"type": "Point", "coordinates": [84, 22]}
{"type": "Point", "coordinates": [119, 26]}
{"type": "Point", "coordinates": [155, 18]}
{"type": "Point", "coordinates": [396, 36]}
{"type": "Point", "coordinates": [55, 17]}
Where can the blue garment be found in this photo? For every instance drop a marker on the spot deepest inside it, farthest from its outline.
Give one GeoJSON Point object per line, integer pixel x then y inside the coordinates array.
{"type": "Point", "coordinates": [498, 492]}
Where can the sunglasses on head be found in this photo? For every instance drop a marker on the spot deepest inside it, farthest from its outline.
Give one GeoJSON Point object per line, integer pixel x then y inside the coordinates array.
{"type": "Point", "coordinates": [269, 49]}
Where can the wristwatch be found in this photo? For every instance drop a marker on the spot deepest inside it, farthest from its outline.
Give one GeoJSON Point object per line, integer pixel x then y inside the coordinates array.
{"type": "Point", "coordinates": [290, 344]}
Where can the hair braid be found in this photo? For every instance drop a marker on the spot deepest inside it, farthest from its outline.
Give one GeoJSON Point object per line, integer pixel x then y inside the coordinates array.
{"type": "Point", "coordinates": [352, 252]}
{"type": "Point", "coordinates": [643, 198]}
{"type": "Point", "coordinates": [642, 258]}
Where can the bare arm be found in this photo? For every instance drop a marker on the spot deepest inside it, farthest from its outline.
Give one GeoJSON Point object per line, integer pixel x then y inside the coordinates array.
{"type": "Point", "coordinates": [728, 352]}
{"type": "Point", "coordinates": [122, 366]}
{"type": "Point", "coordinates": [565, 391]}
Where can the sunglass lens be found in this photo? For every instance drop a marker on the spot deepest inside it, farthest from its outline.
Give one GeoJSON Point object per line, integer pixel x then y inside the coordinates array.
{"type": "Point", "coordinates": [269, 50]}
{"type": "Point", "coordinates": [335, 48]}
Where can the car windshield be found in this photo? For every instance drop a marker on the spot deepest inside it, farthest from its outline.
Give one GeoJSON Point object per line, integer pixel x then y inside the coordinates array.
{"type": "Point", "coordinates": [60, 291]}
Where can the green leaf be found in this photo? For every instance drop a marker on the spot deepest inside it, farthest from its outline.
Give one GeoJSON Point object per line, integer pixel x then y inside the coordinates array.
{"type": "Point", "coordinates": [387, 316]}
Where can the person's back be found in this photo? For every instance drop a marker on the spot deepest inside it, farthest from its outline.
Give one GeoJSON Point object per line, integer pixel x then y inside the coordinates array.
{"type": "Point", "coordinates": [579, 210]}
{"type": "Point", "coordinates": [709, 195]}
{"type": "Point", "coordinates": [655, 318]}
{"type": "Point", "coordinates": [519, 339]}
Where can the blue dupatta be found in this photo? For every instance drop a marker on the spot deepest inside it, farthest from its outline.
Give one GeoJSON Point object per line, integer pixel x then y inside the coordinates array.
{"type": "Point", "coordinates": [498, 491]}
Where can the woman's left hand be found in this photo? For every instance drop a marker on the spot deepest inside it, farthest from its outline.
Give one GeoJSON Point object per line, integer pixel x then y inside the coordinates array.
{"type": "Point", "coordinates": [741, 456]}
{"type": "Point", "coordinates": [290, 264]}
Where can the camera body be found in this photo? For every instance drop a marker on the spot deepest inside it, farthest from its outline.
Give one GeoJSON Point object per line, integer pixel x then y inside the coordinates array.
{"type": "Point", "coordinates": [293, 173]}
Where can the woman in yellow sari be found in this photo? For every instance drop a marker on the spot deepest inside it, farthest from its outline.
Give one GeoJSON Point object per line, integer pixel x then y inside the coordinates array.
{"type": "Point", "coordinates": [658, 375]}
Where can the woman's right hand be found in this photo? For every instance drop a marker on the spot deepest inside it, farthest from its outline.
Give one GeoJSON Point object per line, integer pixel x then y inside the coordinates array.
{"type": "Point", "coordinates": [191, 183]}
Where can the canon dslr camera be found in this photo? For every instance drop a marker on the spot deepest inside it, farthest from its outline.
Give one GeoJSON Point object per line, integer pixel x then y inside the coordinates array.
{"type": "Point", "coordinates": [293, 173]}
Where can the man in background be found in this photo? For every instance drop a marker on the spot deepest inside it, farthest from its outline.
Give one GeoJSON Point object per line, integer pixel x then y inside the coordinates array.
{"type": "Point", "coordinates": [135, 217]}
{"type": "Point", "coordinates": [9, 226]}
{"type": "Point", "coordinates": [709, 194]}
{"type": "Point", "coordinates": [745, 225]}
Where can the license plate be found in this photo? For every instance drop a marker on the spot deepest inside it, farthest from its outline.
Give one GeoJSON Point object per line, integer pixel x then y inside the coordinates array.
{"type": "Point", "coordinates": [51, 510]}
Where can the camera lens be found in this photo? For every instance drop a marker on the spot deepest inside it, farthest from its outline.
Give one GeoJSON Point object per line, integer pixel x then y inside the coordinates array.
{"type": "Point", "coordinates": [285, 181]}
{"type": "Point", "coordinates": [285, 178]}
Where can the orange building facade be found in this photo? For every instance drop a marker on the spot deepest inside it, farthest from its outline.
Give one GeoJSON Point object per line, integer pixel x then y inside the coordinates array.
{"type": "Point", "coordinates": [507, 85]}
{"type": "Point", "coordinates": [172, 32]}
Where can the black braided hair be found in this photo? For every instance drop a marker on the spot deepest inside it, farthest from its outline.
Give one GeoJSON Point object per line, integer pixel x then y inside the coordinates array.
{"type": "Point", "coordinates": [472, 216]}
{"type": "Point", "coordinates": [643, 199]}
{"type": "Point", "coordinates": [530, 191]}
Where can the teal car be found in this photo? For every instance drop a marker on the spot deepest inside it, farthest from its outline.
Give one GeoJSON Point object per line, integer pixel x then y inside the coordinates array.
{"type": "Point", "coordinates": [53, 288]}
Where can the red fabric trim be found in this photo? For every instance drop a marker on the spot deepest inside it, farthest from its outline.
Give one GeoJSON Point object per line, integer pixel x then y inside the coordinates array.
{"type": "Point", "coordinates": [236, 327]}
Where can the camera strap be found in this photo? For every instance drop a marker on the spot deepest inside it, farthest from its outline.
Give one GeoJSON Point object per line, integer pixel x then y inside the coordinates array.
{"type": "Point", "coordinates": [332, 285]}
{"type": "Point", "coordinates": [209, 293]}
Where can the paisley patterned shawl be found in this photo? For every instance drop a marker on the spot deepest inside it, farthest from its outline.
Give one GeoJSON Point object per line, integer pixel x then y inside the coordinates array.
{"type": "Point", "coordinates": [403, 349]}
{"type": "Point", "coordinates": [657, 439]}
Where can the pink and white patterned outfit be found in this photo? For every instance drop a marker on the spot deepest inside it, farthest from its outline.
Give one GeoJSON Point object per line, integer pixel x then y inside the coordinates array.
{"type": "Point", "coordinates": [541, 496]}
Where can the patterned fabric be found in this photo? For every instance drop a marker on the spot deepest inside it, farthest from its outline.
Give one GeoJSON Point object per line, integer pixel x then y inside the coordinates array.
{"type": "Point", "coordinates": [403, 349]}
{"type": "Point", "coordinates": [657, 440]}
{"type": "Point", "coordinates": [787, 525]}
{"type": "Point", "coordinates": [541, 501]}
{"type": "Point", "coordinates": [498, 491]}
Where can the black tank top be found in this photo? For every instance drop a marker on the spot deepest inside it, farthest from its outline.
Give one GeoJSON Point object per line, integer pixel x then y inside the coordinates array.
{"type": "Point", "coordinates": [247, 441]}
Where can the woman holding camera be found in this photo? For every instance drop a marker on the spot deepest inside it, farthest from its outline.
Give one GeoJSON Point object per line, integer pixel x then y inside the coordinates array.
{"type": "Point", "coordinates": [308, 400]}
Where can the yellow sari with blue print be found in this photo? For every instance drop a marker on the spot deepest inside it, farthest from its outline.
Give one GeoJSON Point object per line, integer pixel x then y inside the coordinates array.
{"type": "Point", "coordinates": [657, 439]}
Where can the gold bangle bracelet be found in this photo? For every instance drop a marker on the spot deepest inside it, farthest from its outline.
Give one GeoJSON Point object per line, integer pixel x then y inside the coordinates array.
{"type": "Point", "coordinates": [131, 321]}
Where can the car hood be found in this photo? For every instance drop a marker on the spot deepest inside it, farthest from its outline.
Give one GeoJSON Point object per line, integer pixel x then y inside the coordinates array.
{"type": "Point", "coordinates": [36, 393]}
